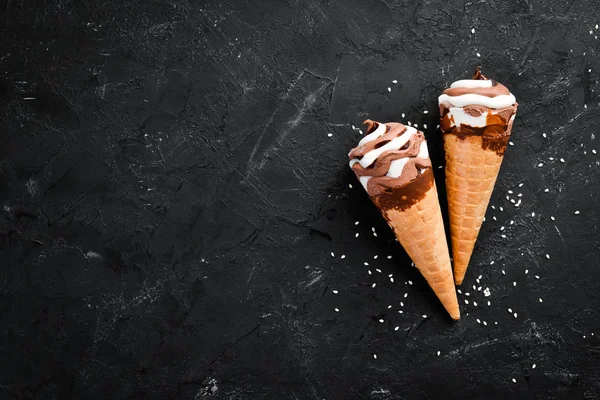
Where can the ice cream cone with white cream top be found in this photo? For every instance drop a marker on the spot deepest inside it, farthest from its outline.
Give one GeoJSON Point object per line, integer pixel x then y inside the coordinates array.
{"type": "Point", "coordinates": [392, 163]}
{"type": "Point", "coordinates": [476, 120]}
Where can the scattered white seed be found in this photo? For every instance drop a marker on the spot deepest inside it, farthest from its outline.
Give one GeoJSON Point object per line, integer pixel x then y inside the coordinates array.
{"type": "Point", "coordinates": [403, 115]}
{"type": "Point", "coordinates": [526, 271]}
{"type": "Point", "coordinates": [514, 283]}
{"type": "Point", "coordinates": [389, 257]}
{"type": "Point", "coordinates": [405, 295]}
{"type": "Point", "coordinates": [332, 254]}
{"type": "Point", "coordinates": [374, 285]}
{"type": "Point", "coordinates": [369, 271]}
{"type": "Point", "coordinates": [466, 301]}
{"type": "Point", "coordinates": [396, 328]}
{"type": "Point", "coordinates": [424, 316]}
{"type": "Point", "coordinates": [381, 321]}
{"type": "Point", "coordinates": [410, 282]}
{"type": "Point", "coordinates": [375, 257]}
{"type": "Point", "coordinates": [485, 323]}
{"type": "Point", "coordinates": [335, 291]}
{"type": "Point", "coordinates": [510, 310]}
{"type": "Point", "coordinates": [514, 380]}
{"type": "Point", "coordinates": [576, 212]}
{"type": "Point", "coordinates": [533, 366]}
{"type": "Point", "coordinates": [501, 228]}
{"type": "Point", "coordinates": [546, 190]}
{"type": "Point", "coordinates": [343, 256]}
{"type": "Point", "coordinates": [350, 185]}
{"type": "Point", "coordinates": [356, 235]}
{"type": "Point", "coordinates": [548, 256]}
{"type": "Point", "coordinates": [389, 89]}
{"type": "Point", "coordinates": [366, 263]}
{"type": "Point", "coordinates": [375, 356]}
{"type": "Point", "coordinates": [394, 81]}
{"type": "Point", "coordinates": [537, 276]}
{"type": "Point", "coordinates": [511, 143]}
{"type": "Point", "coordinates": [552, 218]}
{"type": "Point", "coordinates": [515, 314]}
{"type": "Point", "coordinates": [478, 321]}
{"type": "Point", "coordinates": [378, 270]}
{"type": "Point", "coordinates": [544, 135]}
{"type": "Point", "coordinates": [438, 353]}
{"type": "Point", "coordinates": [390, 306]}
{"type": "Point", "coordinates": [330, 134]}
{"type": "Point", "coordinates": [540, 300]}
{"type": "Point", "coordinates": [486, 292]}
{"type": "Point", "coordinates": [475, 303]}
{"type": "Point", "coordinates": [503, 273]}
{"type": "Point", "coordinates": [478, 55]}
{"type": "Point", "coordinates": [337, 310]}
{"type": "Point", "coordinates": [501, 209]}
{"type": "Point", "coordinates": [562, 160]}
{"type": "Point", "coordinates": [492, 262]}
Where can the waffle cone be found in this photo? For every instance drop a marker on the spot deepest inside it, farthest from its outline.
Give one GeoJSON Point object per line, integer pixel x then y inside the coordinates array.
{"type": "Point", "coordinates": [471, 174]}
{"type": "Point", "coordinates": [420, 230]}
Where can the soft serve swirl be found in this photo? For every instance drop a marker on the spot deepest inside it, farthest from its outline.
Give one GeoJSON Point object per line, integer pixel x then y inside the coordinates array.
{"type": "Point", "coordinates": [390, 156]}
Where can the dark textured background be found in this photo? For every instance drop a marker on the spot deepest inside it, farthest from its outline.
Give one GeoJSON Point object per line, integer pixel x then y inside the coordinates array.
{"type": "Point", "coordinates": [175, 215]}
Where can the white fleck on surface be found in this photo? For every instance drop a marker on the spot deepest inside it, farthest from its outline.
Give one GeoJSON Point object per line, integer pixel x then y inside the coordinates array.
{"type": "Point", "coordinates": [478, 55]}
{"type": "Point", "coordinates": [343, 256]}
{"type": "Point", "coordinates": [373, 285]}
{"type": "Point", "coordinates": [514, 283]}
{"type": "Point", "coordinates": [546, 190]}
{"type": "Point", "coordinates": [486, 292]}
{"type": "Point", "coordinates": [381, 321]}
{"type": "Point", "coordinates": [515, 314]}
{"type": "Point", "coordinates": [533, 366]}
{"type": "Point", "coordinates": [438, 353]}
{"type": "Point", "coordinates": [332, 254]}
{"type": "Point", "coordinates": [394, 81]}
{"type": "Point", "coordinates": [396, 328]}
{"type": "Point", "coordinates": [478, 321]}
{"type": "Point", "coordinates": [375, 356]}
{"type": "Point", "coordinates": [350, 185]}
{"type": "Point", "coordinates": [424, 316]}
{"type": "Point", "coordinates": [466, 301]}
{"type": "Point", "coordinates": [337, 310]}
{"type": "Point", "coordinates": [330, 134]}
{"type": "Point", "coordinates": [335, 291]}
{"type": "Point", "coordinates": [576, 212]}
{"type": "Point", "coordinates": [562, 160]}
{"type": "Point", "coordinates": [472, 30]}
{"type": "Point", "coordinates": [514, 380]}
{"type": "Point", "coordinates": [389, 89]}
{"type": "Point", "coordinates": [389, 257]}
{"type": "Point", "coordinates": [540, 300]}
{"type": "Point", "coordinates": [548, 256]}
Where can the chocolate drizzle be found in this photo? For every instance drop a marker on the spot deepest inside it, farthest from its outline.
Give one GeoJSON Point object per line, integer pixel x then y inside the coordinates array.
{"type": "Point", "coordinates": [496, 132]}
{"type": "Point", "coordinates": [379, 182]}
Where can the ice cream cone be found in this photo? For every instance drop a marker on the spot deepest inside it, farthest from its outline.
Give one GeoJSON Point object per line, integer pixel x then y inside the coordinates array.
{"type": "Point", "coordinates": [476, 118]}
{"type": "Point", "coordinates": [399, 180]}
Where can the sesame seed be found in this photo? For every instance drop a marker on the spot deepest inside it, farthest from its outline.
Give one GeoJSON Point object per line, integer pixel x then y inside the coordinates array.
{"type": "Point", "coordinates": [337, 310]}
{"type": "Point", "coordinates": [551, 158]}
{"type": "Point", "coordinates": [381, 321]}
{"type": "Point", "coordinates": [548, 256]}
{"type": "Point", "coordinates": [350, 185]}
{"type": "Point", "coordinates": [478, 55]}
{"type": "Point", "coordinates": [369, 271]}
{"type": "Point", "coordinates": [405, 295]}
{"type": "Point", "coordinates": [503, 236]}
{"type": "Point", "coordinates": [562, 160]}
{"type": "Point", "coordinates": [403, 115]}
{"type": "Point", "coordinates": [438, 353]}
{"type": "Point", "coordinates": [389, 89]}
{"type": "Point", "coordinates": [467, 294]}
{"type": "Point", "coordinates": [537, 276]}
{"type": "Point", "coordinates": [374, 285]}
{"type": "Point", "coordinates": [501, 228]}
{"type": "Point", "coordinates": [366, 263]}
{"type": "Point", "coordinates": [424, 126]}
{"type": "Point", "coordinates": [378, 270]}
{"type": "Point", "coordinates": [493, 207]}
{"type": "Point", "coordinates": [458, 290]}
{"type": "Point", "coordinates": [343, 256]}
{"type": "Point", "coordinates": [533, 366]}
{"type": "Point", "coordinates": [356, 223]}
{"type": "Point", "coordinates": [540, 300]}
{"type": "Point", "coordinates": [478, 321]}
{"type": "Point", "coordinates": [544, 135]}
{"type": "Point", "coordinates": [475, 303]}
{"type": "Point", "coordinates": [546, 190]}
{"type": "Point", "coordinates": [396, 328]}
{"type": "Point", "coordinates": [356, 235]}
{"type": "Point", "coordinates": [512, 222]}
{"type": "Point", "coordinates": [392, 280]}
{"type": "Point", "coordinates": [466, 301]}
{"type": "Point", "coordinates": [332, 254]}
{"type": "Point", "coordinates": [514, 380]}
{"type": "Point", "coordinates": [533, 214]}
{"type": "Point", "coordinates": [330, 134]}
{"type": "Point", "coordinates": [401, 304]}
{"type": "Point", "coordinates": [400, 312]}
{"type": "Point", "coordinates": [501, 209]}
{"type": "Point", "coordinates": [335, 291]}
{"type": "Point", "coordinates": [526, 271]}
{"type": "Point", "coordinates": [472, 30]}
{"type": "Point", "coordinates": [375, 356]}
{"type": "Point", "coordinates": [511, 143]}
{"type": "Point", "coordinates": [510, 310]}
{"type": "Point", "coordinates": [390, 306]}
{"type": "Point", "coordinates": [410, 282]}
{"type": "Point", "coordinates": [510, 192]}
{"type": "Point", "coordinates": [389, 257]}
{"type": "Point", "coordinates": [503, 273]}
{"type": "Point", "coordinates": [552, 218]}
{"type": "Point", "coordinates": [514, 283]}
{"type": "Point", "coordinates": [375, 257]}
{"type": "Point", "coordinates": [394, 81]}
{"type": "Point", "coordinates": [594, 151]}
{"type": "Point", "coordinates": [515, 314]}
{"type": "Point", "coordinates": [424, 316]}
{"type": "Point", "coordinates": [492, 262]}
{"type": "Point", "coordinates": [576, 212]}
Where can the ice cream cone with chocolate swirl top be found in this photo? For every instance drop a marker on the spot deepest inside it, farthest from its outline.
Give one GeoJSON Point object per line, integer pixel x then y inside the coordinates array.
{"type": "Point", "coordinates": [392, 163]}
{"type": "Point", "coordinates": [476, 119]}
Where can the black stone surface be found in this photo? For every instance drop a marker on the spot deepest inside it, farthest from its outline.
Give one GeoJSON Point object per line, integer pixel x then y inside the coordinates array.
{"type": "Point", "coordinates": [171, 201]}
